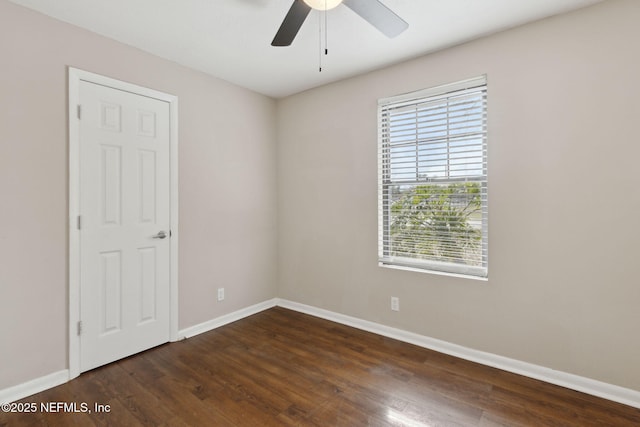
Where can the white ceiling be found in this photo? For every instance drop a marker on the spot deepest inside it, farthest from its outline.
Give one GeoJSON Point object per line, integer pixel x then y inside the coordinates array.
{"type": "Point", "coordinates": [230, 39]}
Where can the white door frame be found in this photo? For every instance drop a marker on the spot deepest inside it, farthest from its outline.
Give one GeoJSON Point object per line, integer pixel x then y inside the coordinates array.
{"type": "Point", "coordinates": [75, 77]}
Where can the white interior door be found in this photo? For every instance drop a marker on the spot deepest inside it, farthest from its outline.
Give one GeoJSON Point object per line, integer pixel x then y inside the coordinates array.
{"type": "Point", "coordinates": [124, 144]}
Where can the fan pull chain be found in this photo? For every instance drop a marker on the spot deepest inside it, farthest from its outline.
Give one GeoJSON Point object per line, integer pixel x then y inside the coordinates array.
{"type": "Point", "coordinates": [326, 30]}
{"type": "Point", "coordinates": [320, 42]}
{"type": "Point", "coordinates": [326, 37]}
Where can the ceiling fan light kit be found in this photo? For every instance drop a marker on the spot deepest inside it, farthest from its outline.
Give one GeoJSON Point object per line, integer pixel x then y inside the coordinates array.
{"type": "Point", "coordinates": [322, 4]}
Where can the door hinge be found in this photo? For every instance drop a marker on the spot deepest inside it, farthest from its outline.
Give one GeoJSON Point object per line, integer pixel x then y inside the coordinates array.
{"type": "Point", "coordinates": [79, 111]}
{"type": "Point", "coordinates": [79, 327]}
{"type": "Point", "coordinates": [79, 222]}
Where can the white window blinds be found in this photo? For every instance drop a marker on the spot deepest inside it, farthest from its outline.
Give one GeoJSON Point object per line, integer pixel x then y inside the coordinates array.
{"type": "Point", "coordinates": [432, 189]}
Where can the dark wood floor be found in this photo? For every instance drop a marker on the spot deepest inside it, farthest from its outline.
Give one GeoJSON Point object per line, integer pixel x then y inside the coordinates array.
{"type": "Point", "coordinates": [280, 367]}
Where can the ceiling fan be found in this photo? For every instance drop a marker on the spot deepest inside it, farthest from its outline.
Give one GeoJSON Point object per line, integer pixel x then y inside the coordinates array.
{"type": "Point", "coordinates": [372, 11]}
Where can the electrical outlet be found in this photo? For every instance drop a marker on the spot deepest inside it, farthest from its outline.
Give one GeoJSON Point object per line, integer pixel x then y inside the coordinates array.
{"type": "Point", "coordinates": [220, 294]}
{"type": "Point", "coordinates": [395, 303]}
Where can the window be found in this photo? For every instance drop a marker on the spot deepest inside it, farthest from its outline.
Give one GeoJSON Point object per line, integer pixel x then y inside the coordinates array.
{"type": "Point", "coordinates": [432, 189]}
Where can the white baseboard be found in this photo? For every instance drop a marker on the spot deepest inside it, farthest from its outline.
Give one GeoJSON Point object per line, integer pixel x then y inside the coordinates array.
{"type": "Point", "coordinates": [37, 385]}
{"type": "Point", "coordinates": [227, 318]}
{"type": "Point", "coordinates": [586, 385]}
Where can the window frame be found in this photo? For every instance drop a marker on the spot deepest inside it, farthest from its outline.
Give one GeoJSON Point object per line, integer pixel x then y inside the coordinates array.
{"type": "Point", "coordinates": [385, 181]}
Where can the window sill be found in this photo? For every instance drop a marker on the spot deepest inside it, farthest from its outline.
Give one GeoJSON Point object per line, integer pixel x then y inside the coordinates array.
{"type": "Point", "coordinates": [434, 272]}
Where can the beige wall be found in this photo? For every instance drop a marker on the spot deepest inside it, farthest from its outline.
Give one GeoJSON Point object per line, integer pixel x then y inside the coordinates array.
{"type": "Point", "coordinates": [227, 185]}
{"type": "Point", "coordinates": [564, 195]}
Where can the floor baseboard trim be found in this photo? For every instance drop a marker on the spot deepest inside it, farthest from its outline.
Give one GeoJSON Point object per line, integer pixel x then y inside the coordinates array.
{"type": "Point", "coordinates": [227, 318]}
{"type": "Point", "coordinates": [34, 386]}
{"type": "Point", "coordinates": [575, 382]}
{"type": "Point", "coordinates": [586, 385]}
{"type": "Point", "coordinates": [20, 391]}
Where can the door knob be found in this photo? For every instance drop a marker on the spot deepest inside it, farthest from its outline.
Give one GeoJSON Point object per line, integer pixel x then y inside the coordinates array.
{"type": "Point", "coordinates": [160, 235]}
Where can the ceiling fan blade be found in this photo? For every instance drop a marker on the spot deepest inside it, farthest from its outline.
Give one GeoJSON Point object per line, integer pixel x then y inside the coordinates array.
{"type": "Point", "coordinates": [291, 24]}
{"type": "Point", "coordinates": [378, 15]}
